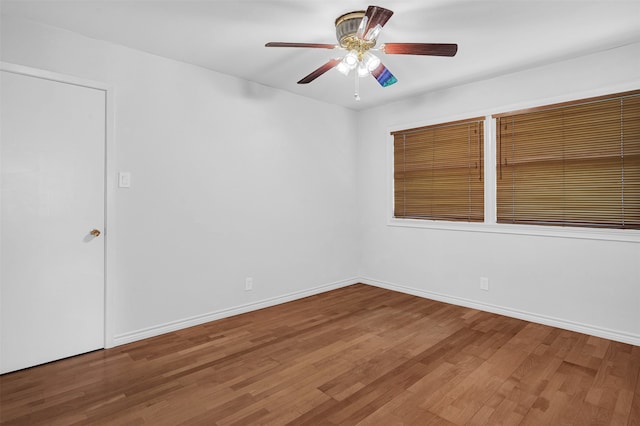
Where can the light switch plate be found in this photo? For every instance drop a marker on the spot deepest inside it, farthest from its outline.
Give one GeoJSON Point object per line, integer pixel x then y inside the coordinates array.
{"type": "Point", "coordinates": [124, 180]}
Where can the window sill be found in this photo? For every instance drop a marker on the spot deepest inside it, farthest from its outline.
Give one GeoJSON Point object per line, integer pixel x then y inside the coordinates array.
{"type": "Point", "coordinates": [630, 235]}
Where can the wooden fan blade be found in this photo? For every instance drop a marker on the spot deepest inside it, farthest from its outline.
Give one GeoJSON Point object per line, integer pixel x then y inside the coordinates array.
{"type": "Point", "coordinates": [431, 49]}
{"type": "Point", "coordinates": [311, 45]}
{"type": "Point", "coordinates": [384, 76]}
{"type": "Point", "coordinates": [375, 15]}
{"type": "Point", "coordinates": [317, 73]}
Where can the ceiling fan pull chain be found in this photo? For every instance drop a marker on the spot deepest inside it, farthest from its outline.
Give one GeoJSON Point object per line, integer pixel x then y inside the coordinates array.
{"type": "Point", "coordinates": [356, 95]}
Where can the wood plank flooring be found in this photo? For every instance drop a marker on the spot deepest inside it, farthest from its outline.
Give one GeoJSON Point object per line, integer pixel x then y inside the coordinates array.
{"type": "Point", "coordinates": [357, 355]}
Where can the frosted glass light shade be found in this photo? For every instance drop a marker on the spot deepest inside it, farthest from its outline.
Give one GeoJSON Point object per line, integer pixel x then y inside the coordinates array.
{"type": "Point", "coordinates": [370, 61]}
{"type": "Point", "coordinates": [362, 70]}
{"type": "Point", "coordinates": [351, 59]}
{"type": "Point", "coordinates": [343, 68]}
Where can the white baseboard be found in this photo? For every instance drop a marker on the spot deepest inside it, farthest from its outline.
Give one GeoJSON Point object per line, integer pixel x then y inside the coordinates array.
{"type": "Point", "coordinates": [619, 336]}
{"type": "Point", "coordinates": [144, 333]}
{"type": "Point", "coordinates": [592, 330]}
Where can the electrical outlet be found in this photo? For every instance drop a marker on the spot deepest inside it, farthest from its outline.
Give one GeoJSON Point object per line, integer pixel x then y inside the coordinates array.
{"type": "Point", "coordinates": [248, 284]}
{"type": "Point", "coordinates": [484, 283]}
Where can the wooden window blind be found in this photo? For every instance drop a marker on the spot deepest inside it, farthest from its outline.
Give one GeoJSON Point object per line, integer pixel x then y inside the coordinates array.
{"type": "Point", "coordinates": [572, 164]}
{"type": "Point", "coordinates": [438, 172]}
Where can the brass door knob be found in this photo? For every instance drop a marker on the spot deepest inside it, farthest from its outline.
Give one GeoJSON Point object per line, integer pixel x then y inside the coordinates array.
{"type": "Point", "coordinates": [95, 232]}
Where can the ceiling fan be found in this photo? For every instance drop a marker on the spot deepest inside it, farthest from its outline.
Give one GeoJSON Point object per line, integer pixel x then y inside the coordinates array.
{"type": "Point", "coordinates": [357, 33]}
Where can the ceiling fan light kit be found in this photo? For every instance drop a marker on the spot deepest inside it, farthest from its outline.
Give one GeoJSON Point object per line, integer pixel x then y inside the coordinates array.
{"type": "Point", "coordinates": [357, 32]}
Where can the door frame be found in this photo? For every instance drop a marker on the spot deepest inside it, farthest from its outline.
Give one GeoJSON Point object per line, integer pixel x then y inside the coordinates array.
{"type": "Point", "coordinates": [110, 182]}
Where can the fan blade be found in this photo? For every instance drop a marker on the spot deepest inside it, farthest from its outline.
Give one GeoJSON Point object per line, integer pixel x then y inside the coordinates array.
{"type": "Point", "coordinates": [311, 45]}
{"type": "Point", "coordinates": [317, 73]}
{"type": "Point", "coordinates": [432, 49]}
{"type": "Point", "coordinates": [384, 76]}
{"type": "Point", "coordinates": [375, 16]}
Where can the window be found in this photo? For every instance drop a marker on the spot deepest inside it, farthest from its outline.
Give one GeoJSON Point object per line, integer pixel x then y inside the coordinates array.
{"type": "Point", "coordinates": [438, 172]}
{"type": "Point", "coordinates": [572, 164]}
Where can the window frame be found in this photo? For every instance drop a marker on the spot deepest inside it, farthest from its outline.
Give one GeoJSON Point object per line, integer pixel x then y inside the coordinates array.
{"type": "Point", "coordinates": [444, 125]}
{"type": "Point", "coordinates": [553, 115]}
{"type": "Point", "coordinates": [490, 224]}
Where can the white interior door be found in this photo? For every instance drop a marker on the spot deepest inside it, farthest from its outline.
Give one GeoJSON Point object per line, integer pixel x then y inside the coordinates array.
{"type": "Point", "coordinates": [52, 162]}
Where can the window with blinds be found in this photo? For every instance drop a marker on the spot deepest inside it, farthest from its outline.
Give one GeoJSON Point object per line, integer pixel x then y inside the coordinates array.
{"type": "Point", "coordinates": [573, 164]}
{"type": "Point", "coordinates": [438, 172]}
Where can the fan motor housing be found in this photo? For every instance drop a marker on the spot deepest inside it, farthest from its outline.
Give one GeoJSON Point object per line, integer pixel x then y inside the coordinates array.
{"type": "Point", "coordinates": [347, 26]}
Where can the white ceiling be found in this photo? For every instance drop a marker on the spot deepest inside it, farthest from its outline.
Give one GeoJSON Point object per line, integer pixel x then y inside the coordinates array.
{"type": "Point", "coordinates": [494, 37]}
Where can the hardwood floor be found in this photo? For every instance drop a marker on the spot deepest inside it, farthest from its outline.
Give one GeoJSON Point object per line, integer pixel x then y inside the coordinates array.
{"type": "Point", "coordinates": [357, 355]}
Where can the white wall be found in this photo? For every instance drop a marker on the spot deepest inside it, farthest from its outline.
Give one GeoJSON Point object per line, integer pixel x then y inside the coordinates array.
{"type": "Point", "coordinates": [298, 205]}
{"type": "Point", "coordinates": [230, 179]}
{"type": "Point", "coordinates": [582, 284]}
